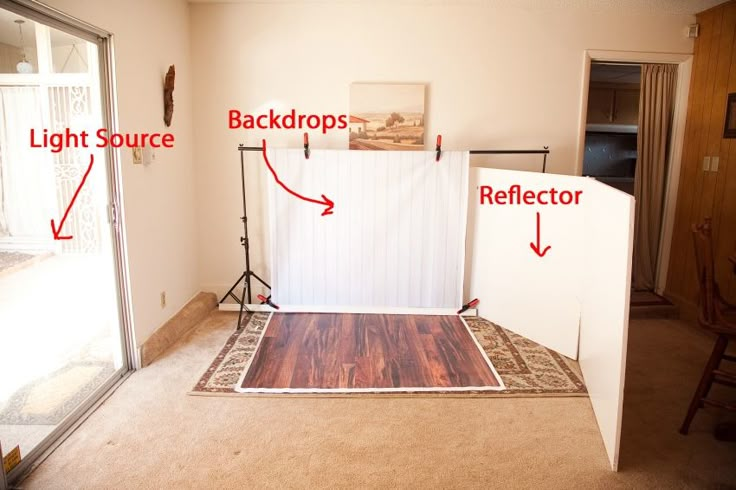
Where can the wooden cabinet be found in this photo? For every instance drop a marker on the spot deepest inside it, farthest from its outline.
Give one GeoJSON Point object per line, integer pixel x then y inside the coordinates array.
{"type": "Point", "coordinates": [626, 106]}
{"type": "Point", "coordinates": [613, 104]}
{"type": "Point", "coordinates": [600, 105]}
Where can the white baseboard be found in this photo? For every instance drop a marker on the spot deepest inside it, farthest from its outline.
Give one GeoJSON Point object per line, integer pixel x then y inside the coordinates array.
{"type": "Point", "coordinates": [349, 309]}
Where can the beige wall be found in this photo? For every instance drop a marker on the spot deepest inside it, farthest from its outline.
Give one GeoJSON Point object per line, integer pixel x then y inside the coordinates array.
{"type": "Point", "coordinates": [497, 77]}
{"type": "Point", "coordinates": [9, 57]}
{"type": "Point", "coordinates": [159, 199]}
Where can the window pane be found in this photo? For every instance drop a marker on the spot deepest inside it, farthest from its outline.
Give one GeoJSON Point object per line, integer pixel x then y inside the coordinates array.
{"type": "Point", "coordinates": [14, 51]}
{"type": "Point", "coordinates": [69, 54]}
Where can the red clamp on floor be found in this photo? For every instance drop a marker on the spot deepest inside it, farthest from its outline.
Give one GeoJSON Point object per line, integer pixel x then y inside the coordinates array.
{"type": "Point", "coordinates": [267, 301]}
{"type": "Point", "coordinates": [306, 146]}
{"type": "Point", "coordinates": [438, 149]}
{"type": "Point", "coordinates": [467, 306]}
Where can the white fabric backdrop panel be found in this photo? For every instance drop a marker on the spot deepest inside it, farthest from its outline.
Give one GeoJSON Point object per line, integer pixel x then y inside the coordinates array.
{"type": "Point", "coordinates": [396, 238]}
{"type": "Point", "coordinates": [604, 322]}
{"type": "Point", "coordinates": [538, 298]}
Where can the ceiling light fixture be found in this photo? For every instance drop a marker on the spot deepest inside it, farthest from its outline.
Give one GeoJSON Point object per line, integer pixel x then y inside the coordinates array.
{"type": "Point", "coordinates": [23, 65]}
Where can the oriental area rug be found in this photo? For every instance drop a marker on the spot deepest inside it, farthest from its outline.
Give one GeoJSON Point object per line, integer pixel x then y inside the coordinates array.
{"type": "Point", "coordinates": [525, 368]}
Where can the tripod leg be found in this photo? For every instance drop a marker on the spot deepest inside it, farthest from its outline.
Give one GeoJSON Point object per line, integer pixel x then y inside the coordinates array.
{"type": "Point", "coordinates": [230, 292]}
{"type": "Point", "coordinates": [260, 280]}
{"type": "Point", "coordinates": [247, 286]}
{"type": "Point", "coordinates": [240, 313]}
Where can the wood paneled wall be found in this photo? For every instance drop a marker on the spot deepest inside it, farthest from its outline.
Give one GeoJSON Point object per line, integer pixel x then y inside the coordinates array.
{"type": "Point", "coordinates": [707, 193]}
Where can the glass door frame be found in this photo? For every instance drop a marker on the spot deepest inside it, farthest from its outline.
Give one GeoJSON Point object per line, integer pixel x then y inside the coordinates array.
{"type": "Point", "coordinates": [43, 14]}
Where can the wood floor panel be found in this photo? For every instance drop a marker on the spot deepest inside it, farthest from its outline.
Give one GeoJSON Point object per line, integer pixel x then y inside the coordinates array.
{"type": "Point", "coordinates": [367, 351]}
{"type": "Point", "coordinates": [287, 340]}
{"type": "Point", "coordinates": [308, 369]}
{"type": "Point", "coordinates": [418, 353]}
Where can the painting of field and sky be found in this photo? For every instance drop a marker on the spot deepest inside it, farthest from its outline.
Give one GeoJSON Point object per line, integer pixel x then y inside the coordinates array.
{"type": "Point", "coordinates": [386, 116]}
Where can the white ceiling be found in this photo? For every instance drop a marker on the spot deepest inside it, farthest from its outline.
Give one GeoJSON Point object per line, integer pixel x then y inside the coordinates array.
{"type": "Point", "coordinates": [9, 32]}
{"type": "Point", "coordinates": [689, 7]}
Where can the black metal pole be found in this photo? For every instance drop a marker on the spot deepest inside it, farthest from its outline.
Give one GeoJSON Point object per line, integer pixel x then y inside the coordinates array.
{"type": "Point", "coordinates": [246, 244]}
{"type": "Point", "coordinates": [242, 307]}
{"type": "Point", "coordinates": [544, 152]}
{"type": "Point", "coordinates": [472, 152]}
{"type": "Point", "coordinates": [507, 152]}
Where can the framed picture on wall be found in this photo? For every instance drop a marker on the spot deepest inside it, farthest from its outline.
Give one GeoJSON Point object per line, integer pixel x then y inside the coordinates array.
{"type": "Point", "coordinates": [386, 116]}
{"type": "Point", "coordinates": [729, 130]}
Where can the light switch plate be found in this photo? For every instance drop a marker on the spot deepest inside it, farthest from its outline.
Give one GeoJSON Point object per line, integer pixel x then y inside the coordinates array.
{"type": "Point", "coordinates": [137, 155]}
{"type": "Point", "coordinates": [706, 164]}
{"type": "Point", "coordinates": [714, 164]}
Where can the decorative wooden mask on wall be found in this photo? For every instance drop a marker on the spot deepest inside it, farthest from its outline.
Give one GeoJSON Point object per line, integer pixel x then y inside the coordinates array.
{"type": "Point", "coordinates": [169, 95]}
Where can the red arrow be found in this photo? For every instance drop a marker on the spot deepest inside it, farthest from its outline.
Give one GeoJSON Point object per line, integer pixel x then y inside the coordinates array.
{"type": "Point", "coordinates": [538, 247]}
{"type": "Point", "coordinates": [56, 231]}
{"type": "Point", "coordinates": [324, 202]}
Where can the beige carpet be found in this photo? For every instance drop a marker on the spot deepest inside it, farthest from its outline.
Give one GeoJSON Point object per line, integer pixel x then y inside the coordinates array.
{"type": "Point", "coordinates": [149, 434]}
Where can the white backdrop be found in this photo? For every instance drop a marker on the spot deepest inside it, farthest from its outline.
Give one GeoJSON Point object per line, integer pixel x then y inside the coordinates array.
{"type": "Point", "coordinates": [396, 238]}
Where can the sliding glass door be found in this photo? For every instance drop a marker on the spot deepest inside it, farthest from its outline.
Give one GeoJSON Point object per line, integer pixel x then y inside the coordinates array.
{"type": "Point", "coordinates": [62, 342]}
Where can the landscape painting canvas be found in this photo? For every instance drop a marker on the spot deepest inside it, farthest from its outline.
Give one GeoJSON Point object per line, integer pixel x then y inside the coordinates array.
{"type": "Point", "coordinates": [386, 116]}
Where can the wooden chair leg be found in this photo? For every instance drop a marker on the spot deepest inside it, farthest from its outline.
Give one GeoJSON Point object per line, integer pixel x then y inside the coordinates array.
{"type": "Point", "coordinates": [705, 382]}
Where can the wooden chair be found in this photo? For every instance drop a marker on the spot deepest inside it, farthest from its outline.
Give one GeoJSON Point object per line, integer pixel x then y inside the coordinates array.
{"type": "Point", "coordinates": [716, 315]}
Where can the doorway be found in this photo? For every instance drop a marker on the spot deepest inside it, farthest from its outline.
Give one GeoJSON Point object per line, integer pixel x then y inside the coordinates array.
{"type": "Point", "coordinates": [611, 140]}
{"type": "Point", "coordinates": [63, 325]}
{"type": "Point", "coordinates": [612, 124]}
{"type": "Point", "coordinates": [611, 80]}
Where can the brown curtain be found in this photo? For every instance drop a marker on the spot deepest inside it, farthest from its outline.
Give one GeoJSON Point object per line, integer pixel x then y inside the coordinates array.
{"type": "Point", "coordinates": [656, 104]}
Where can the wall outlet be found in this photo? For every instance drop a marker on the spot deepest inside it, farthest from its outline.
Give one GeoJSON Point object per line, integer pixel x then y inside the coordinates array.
{"type": "Point", "coordinates": [714, 164]}
{"type": "Point", "coordinates": [148, 155]}
{"type": "Point", "coordinates": [163, 299]}
{"type": "Point", "coordinates": [706, 164]}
